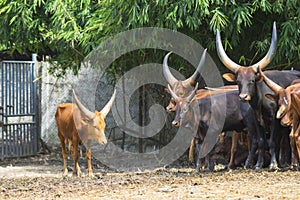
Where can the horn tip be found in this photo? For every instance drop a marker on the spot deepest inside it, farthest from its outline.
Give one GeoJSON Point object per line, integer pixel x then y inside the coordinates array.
{"type": "Point", "coordinates": [170, 53]}
{"type": "Point", "coordinates": [114, 93]}
{"type": "Point", "coordinates": [169, 87]}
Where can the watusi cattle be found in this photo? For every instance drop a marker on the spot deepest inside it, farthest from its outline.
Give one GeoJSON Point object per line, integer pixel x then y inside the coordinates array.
{"type": "Point", "coordinates": [77, 125]}
{"type": "Point", "coordinates": [253, 91]}
{"type": "Point", "coordinates": [288, 100]}
{"type": "Point", "coordinates": [238, 116]}
{"type": "Point", "coordinates": [184, 88]}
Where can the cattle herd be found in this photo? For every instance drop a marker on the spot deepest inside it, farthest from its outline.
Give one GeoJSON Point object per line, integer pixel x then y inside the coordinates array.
{"type": "Point", "coordinates": [263, 105]}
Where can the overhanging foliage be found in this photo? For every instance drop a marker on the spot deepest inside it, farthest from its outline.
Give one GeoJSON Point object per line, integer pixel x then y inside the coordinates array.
{"type": "Point", "coordinates": [69, 30]}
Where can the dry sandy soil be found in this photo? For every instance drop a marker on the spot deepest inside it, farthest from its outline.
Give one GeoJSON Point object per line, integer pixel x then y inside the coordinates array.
{"type": "Point", "coordinates": [40, 177]}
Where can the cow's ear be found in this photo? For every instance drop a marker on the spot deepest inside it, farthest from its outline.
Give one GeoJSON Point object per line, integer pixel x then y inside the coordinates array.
{"type": "Point", "coordinates": [167, 90]}
{"type": "Point", "coordinates": [229, 77]}
{"type": "Point", "coordinates": [84, 122]}
{"type": "Point", "coordinates": [271, 97]}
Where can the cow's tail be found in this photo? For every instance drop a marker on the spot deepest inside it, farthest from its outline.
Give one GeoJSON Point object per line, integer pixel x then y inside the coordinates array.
{"type": "Point", "coordinates": [191, 151]}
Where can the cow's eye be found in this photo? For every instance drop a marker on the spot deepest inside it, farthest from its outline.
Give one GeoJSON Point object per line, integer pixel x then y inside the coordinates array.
{"type": "Point", "coordinates": [185, 109]}
{"type": "Point", "coordinates": [96, 127]}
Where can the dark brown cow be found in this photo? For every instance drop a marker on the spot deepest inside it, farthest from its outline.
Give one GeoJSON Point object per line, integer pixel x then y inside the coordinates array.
{"type": "Point", "coordinates": [185, 88]}
{"type": "Point", "coordinates": [77, 125]}
{"type": "Point", "coordinates": [289, 112]}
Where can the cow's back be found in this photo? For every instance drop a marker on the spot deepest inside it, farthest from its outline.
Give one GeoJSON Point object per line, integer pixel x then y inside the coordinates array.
{"type": "Point", "coordinates": [64, 121]}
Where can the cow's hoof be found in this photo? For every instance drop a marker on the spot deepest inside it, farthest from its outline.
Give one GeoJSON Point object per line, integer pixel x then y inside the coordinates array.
{"type": "Point", "coordinates": [294, 166]}
{"type": "Point", "coordinates": [77, 174]}
{"type": "Point", "coordinates": [258, 166]}
{"type": "Point", "coordinates": [273, 166]}
{"type": "Point", "coordinates": [65, 174]}
{"type": "Point", "coordinates": [248, 164]}
{"type": "Point", "coordinates": [230, 166]}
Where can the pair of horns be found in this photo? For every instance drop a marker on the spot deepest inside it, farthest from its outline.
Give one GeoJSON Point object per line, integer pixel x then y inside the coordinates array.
{"type": "Point", "coordinates": [234, 67]}
{"type": "Point", "coordinates": [91, 114]}
{"type": "Point", "coordinates": [188, 82]}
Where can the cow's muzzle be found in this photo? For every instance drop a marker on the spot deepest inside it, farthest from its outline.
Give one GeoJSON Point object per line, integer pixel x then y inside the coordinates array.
{"type": "Point", "coordinates": [170, 109]}
{"type": "Point", "coordinates": [245, 97]}
{"type": "Point", "coordinates": [176, 123]}
{"type": "Point", "coordinates": [286, 123]}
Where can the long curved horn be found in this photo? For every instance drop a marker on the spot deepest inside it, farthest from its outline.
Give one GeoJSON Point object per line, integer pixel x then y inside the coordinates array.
{"type": "Point", "coordinates": [232, 66]}
{"type": "Point", "coordinates": [175, 97]}
{"type": "Point", "coordinates": [191, 81]}
{"type": "Point", "coordinates": [272, 85]}
{"type": "Point", "coordinates": [220, 89]}
{"type": "Point", "coordinates": [191, 96]}
{"type": "Point", "coordinates": [109, 104]}
{"type": "Point", "coordinates": [271, 53]}
{"type": "Point", "coordinates": [82, 108]}
{"type": "Point", "coordinates": [166, 71]}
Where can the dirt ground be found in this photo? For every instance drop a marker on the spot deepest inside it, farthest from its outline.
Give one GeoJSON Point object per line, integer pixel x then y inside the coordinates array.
{"type": "Point", "coordinates": [40, 177]}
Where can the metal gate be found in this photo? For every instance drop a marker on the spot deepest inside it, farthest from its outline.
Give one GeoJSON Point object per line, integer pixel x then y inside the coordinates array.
{"type": "Point", "coordinates": [18, 109]}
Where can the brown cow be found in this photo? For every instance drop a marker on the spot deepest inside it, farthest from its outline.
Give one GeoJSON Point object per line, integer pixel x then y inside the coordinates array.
{"type": "Point", "coordinates": [77, 125]}
{"type": "Point", "coordinates": [289, 112]}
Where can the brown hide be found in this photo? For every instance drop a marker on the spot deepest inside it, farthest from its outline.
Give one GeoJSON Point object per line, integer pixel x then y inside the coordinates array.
{"type": "Point", "coordinates": [294, 135]}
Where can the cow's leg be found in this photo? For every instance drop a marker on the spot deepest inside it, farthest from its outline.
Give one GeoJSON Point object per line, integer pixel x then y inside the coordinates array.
{"type": "Point", "coordinates": [257, 140]}
{"type": "Point", "coordinates": [297, 138]}
{"type": "Point", "coordinates": [64, 153]}
{"type": "Point", "coordinates": [273, 146]}
{"type": "Point", "coordinates": [89, 159]}
{"type": "Point", "coordinates": [261, 144]}
{"type": "Point", "coordinates": [284, 147]}
{"type": "Point", "coordinates": [76, 170]}
{"type": "Point", "coordinates": [248, 142]}
{"type": "Point", "coordinates": [235, 138]}
{"type": "Point", "coordinates": [257, 133]}
{"type": "Point", "coordinates": [209, 163]}
{"type": "Point", "coordinates": [191, 151]}
{"type": "Point", "coordinates": [198, 160]}
{"type": "Point", "coordinates": [201, 163]}
{"type": "Point", "coordinates": [251, 153]}
{"type": "Point", "coordinates": [294, 149]}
